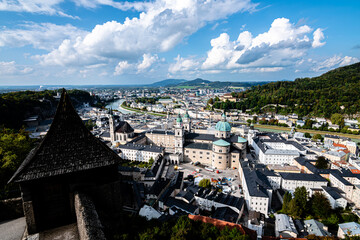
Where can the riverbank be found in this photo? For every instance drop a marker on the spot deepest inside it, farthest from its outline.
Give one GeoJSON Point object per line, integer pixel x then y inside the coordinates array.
{"type": "Point", "coordinates": [355, 138]}
{"type": "Point", "coordinates": [140, 111]}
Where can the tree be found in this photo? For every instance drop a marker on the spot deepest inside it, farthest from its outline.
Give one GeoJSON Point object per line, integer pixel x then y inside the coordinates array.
{"type": "Point", "coordinates": [89, 124]}
{"type": "Point", "coordinates": [321, 163]}
{"type": "Point", "coordinates": [294, 209]}
{"type": "Point", "coordinates": [320, 205]}
{"type": "Point", "coordinates": [317, 137]}
{"type": "Point", "coordinates": [307, 135]}
{"type": "Point", "coordinates": [255, 119]}
{"type": "Point", "coordinates": [205, 182]}
{"type": "Point", "coordinates": [182, 229]}
{"type": "Point", "coordinates": [151, 161]}
{"type": "Point", "coordinates": [286, 203]}
{"type": "Point", "coordinates": [338, 119]}
{"type": "Point", "coordinates": [211, 101]}
{"type": "Point", "coordinates": [14, 147]}
{"type": "Point", "coordinates": [298, 203]}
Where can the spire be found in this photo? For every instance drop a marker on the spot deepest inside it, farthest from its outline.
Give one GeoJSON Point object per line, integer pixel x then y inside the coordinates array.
{"type": "Point", "coordinates": [67, 147]}
{"type": "Point", "coordinates": [223, 116]}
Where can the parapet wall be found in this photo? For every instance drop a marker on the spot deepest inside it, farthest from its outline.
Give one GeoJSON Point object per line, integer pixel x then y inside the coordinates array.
{"type": "Point", "coordinates": [89, 225]}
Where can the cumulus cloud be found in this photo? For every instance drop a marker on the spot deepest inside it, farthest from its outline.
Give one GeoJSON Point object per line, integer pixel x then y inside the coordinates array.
{"type": "Point", "coordinates": [41, 36]}
{"type": "Point", "coordinates": [282, 45]}
{"type": "Point", "coordinates": [162, 25]}
{"type": "Point", "coordinates": [182, 65]}
{"type": "Point", "coordinates": [147, 61]}
{"type": "Point", "coordinates": [318, 37]}
{"type": "Point", "coordinates": [10, 68]}
{"type": "Point", "coordinates": [333, 62]}
{"type": "Point", "coordinates": [121, 67]}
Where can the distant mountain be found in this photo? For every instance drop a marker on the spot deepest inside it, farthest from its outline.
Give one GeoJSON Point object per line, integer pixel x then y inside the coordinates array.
{"type": "Point", "coordinates": [216, 84]}
{"type": "Point", "coordinates": [201, 83]}
{"type": "Point", "coordinates": [195, 82]}
{"type": "Point", "coordinates": [167, 83]}
{"type": "Point", "coordinates": [336, 91]}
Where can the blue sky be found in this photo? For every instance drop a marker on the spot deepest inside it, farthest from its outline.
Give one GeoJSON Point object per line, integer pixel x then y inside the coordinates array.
{"type": "Point", "coordinates": [118, 42]}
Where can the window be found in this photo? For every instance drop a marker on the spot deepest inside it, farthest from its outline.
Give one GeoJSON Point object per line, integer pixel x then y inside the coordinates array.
{"type": "Point", "coordinates": [193, 151]}
{"type": "Point", "coordinates": [187, 151]}
{"type": "Point", "coordinates": [220, 157]}
{"type": "Point", "coordinates": [208, 153]}
{"type": "Point", "coordinates": [220, 150]}
{"type": "Point", "coordinates": [201, 152]}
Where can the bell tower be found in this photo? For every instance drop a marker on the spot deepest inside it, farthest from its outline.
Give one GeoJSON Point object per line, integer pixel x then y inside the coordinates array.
{"type": "Point", "coordinates": [112, 126]}
{"type": "Point", "coordinates": [179, 135]}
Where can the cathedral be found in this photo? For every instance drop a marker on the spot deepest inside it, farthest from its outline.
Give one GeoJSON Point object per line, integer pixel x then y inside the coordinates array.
{"type": "Point", "coordinates": [220, 150]}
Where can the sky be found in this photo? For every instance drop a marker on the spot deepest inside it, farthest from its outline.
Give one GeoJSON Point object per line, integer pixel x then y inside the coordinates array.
{"type": "Point", "coordinates": [107, 42]}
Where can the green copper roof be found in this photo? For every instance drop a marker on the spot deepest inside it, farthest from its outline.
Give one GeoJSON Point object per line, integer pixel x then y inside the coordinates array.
{"type": "Point", "coordinates": [179, 119]}
{"type": "Point", "coordinates": [241, 140]}
{"type": "Point", "coordinates": [221, 143]}
{"type": "Point", "coordinates": [186, 115]}
{"type": "Point", "coordinates": [223, 115]}
{"type": "Point", "coordinates": [223, 126]}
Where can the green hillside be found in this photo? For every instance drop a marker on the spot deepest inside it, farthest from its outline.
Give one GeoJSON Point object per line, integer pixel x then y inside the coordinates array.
{"type": "Point", "coordinates": [16, 106]}
{"type": "Point", "coordinates": [201, 83]}
{"type": "Point", "coordinates": [337, 91]}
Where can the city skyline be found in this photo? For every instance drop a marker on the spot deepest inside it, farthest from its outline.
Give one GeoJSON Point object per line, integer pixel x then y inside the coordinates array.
{"type": "Point", "coordinates": [120, 43]}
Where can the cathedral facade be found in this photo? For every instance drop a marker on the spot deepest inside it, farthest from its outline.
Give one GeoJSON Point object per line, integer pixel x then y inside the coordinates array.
{"type": "Point", "coordinates": [219, 151]}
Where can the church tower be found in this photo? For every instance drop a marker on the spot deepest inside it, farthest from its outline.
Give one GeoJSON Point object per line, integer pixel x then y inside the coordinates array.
{"type": "Point", "coordinates": [179, 135]}
{"type": "Point", "coordinates": [112, 126]}
{"type": "Point", "coordinates": [187, 122]}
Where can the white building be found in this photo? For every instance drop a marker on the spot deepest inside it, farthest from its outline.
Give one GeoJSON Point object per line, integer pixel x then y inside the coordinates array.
{"type": "Point", "coordinates": [341, 183]}
{"type": "Point", "coordinates": [140, 153]}
{"type": "Point", "coordinates": [273, 149]}
{"type": "Point", "coordinates": [257, 191]}
{"type": "Point", "coordinates": [290, 181]}
{"type": "Point", "coordinates": [335, 197]}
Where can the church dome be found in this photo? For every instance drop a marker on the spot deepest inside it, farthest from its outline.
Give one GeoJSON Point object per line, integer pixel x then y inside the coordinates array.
{"type": "Point", "coordinates": [223, 126]}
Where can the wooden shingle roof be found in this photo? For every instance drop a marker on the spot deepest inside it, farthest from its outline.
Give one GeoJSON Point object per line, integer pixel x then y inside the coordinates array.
{"type": "Point", "coordinates": [67, 147]}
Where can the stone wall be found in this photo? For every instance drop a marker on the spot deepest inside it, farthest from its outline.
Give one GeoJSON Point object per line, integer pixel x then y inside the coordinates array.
{"type": "Point", "coordinates": [89, 225]}
{"type": "Point", "coordinates": [11, 209]}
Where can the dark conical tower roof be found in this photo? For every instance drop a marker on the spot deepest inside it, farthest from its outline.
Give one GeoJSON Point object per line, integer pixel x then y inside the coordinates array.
{"type": "Point", "coordinates": [67, 147]}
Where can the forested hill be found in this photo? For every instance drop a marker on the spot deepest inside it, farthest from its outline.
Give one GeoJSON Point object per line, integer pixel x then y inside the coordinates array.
{"type": "Point", "coordinates": [16, 106]}
{"type": "Point", "coordinates": [337, 91]}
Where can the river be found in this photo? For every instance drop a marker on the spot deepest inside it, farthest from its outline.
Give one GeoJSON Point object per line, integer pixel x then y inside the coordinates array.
{"type": "Point", "coordinates": [116, 106]}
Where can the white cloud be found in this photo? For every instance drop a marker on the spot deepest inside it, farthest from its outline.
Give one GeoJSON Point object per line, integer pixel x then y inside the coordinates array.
{"type": "Point", "coordinates": [10, 68]}
{"type": "Point", "coordinates": [182, 65]}
{"type": "Point", "coordinates": [318, 37]}
{"type": "Point", "coordinates": [121, 67]}
{"type": "Point", "coordinates": [348, 60]}
{"type": "Point", "coordinates": [48, 7]}
{"type": "Point", "coordinates": [333, 62]}
{"type": "Point", "coordinates": [282, 45]}
{"type": "Point", "coordinates": [41, 36]}
{"type": "Point", "coordinates": [148, 60]}
{"type": "Point", "coordinates": [162, 25]}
